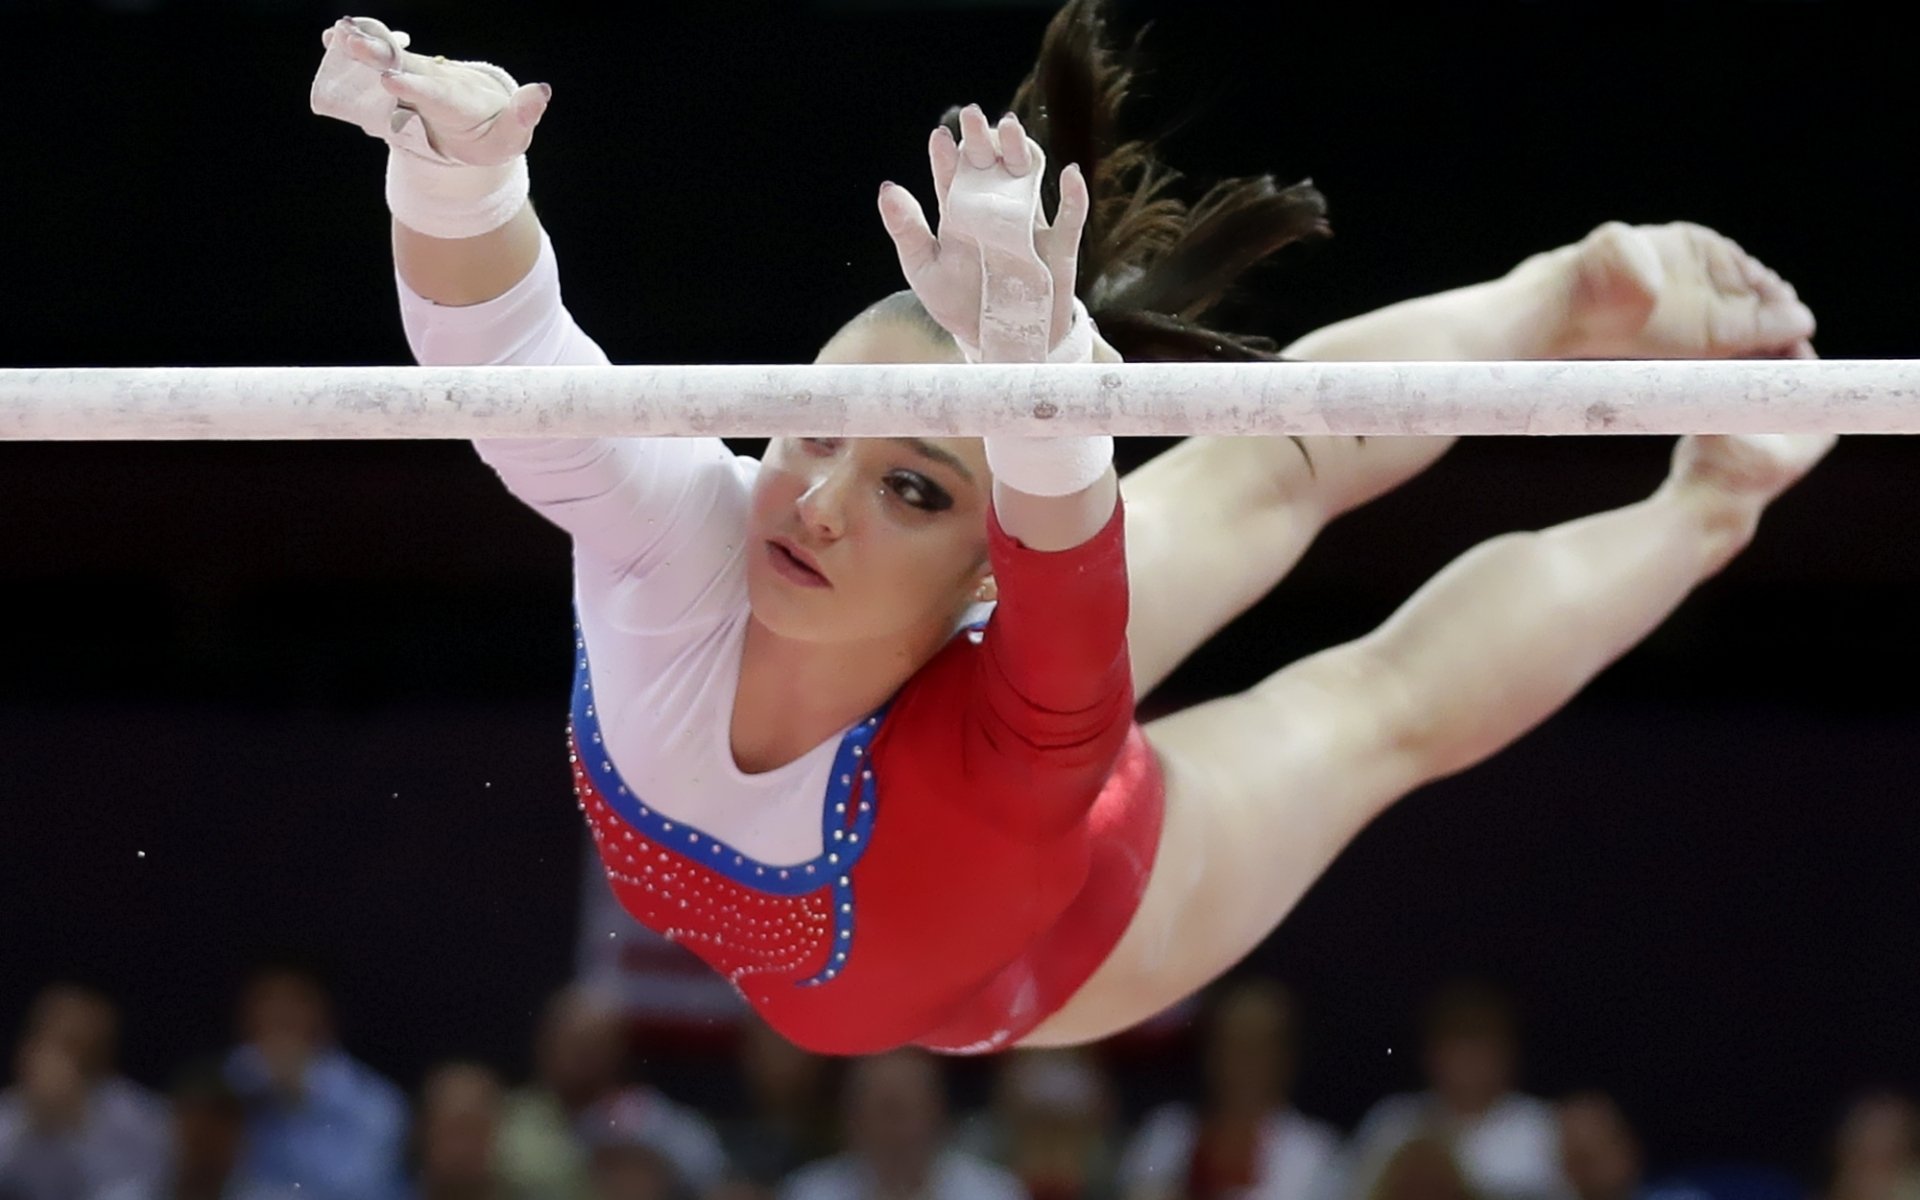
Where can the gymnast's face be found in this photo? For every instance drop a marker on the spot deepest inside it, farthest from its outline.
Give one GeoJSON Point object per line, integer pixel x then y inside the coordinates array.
{"type": "Point", "coordinates": [869, 539]}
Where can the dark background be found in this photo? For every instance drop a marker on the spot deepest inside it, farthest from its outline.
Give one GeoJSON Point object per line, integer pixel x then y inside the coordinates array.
{"type": "Point", "coordinates": [321, 687]}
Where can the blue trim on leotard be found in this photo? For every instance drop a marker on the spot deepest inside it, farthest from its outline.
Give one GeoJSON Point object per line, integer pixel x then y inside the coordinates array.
{"type": "Point", "coordinates": [846, 819]}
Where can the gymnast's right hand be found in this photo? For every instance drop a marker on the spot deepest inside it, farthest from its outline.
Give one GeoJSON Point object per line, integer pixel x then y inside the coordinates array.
{"type": "Point", "coordinates": [458, 112]}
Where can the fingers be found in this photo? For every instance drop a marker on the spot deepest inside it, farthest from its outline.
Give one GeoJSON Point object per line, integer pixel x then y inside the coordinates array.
{"type": "Point", "coordinates": [907, 225]}
{"type": "Point", "coordinates": [1017, 150]}
{"type": "Point", "coordinates": [976, 138]}
{"type": "Point", "coordinates": [1063, 247]}
{"type": "Point", "coordinates": [1071, 219]}
{"type": "Point", "coordinates": [368, 42]}
{"type": "Point", "coordinates": [529, 104]}
{"type": "Point", "coordinates": [422, 91]}
{"type": "Point", "coordinates": [944, 153]}
{"type": "Point", "coordinates": [982, 145]}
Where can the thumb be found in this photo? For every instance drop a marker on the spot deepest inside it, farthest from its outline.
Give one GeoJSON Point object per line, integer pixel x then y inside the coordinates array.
{"type": "Point", "coordinates": [529, 103]}
{"type": "Point", "coordinates": [907, 225]}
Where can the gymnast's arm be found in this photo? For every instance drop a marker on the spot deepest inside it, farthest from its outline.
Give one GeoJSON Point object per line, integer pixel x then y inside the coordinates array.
{"type": "Point", "coordinates": [1052, 700]}
{"type": "Point", "coordinates": [628, 503]}
{"type": "Point", "coordinates": [479, 285]}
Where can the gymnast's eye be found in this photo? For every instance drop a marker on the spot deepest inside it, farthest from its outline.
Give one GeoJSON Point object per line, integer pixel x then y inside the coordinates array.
{"type": "Point", "coordinates": [919, 491]}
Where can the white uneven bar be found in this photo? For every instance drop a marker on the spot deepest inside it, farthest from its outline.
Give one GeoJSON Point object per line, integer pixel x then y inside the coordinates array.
{"type": "Point", "coordinates": [298, 403]}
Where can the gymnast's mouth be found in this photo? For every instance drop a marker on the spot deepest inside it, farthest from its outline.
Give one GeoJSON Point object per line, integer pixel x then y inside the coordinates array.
{"type": "Point", "coordinates": [795, 565]}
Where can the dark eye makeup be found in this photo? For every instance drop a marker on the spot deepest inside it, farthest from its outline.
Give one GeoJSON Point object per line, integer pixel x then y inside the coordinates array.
{"type": "Point", "coordinates": [910, 487]}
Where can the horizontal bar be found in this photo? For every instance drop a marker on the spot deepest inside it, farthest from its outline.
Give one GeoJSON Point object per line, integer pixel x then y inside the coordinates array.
{"type": "Point", "coordinates": [298, 403]}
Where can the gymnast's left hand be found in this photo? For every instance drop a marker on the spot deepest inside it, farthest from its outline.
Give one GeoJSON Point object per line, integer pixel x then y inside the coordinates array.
{"type": "Point", "coordinates": [993, 227]}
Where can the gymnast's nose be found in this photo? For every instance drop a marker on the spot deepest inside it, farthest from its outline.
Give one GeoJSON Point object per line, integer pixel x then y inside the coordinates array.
{"type": "Point", "coordinates": [823, 506]}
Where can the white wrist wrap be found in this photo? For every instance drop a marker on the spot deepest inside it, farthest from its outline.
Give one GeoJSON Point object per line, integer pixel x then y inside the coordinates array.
{"type": "Point", "coordinates": [1053, 466]}
{"type": "Point", "coordinates": [1049, 466]}
{"type": "Point", "coordinates": [1077, 346]}
{"type": "Point", "coordinates": [453, 200]}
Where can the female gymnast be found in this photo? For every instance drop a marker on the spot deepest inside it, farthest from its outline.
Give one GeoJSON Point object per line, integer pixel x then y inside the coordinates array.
{"type": "Point", "coordinates": [887, 823]}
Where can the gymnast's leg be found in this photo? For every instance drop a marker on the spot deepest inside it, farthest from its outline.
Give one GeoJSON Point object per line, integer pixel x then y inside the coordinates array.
{"type": "Point", "coordinates": [1670, 291]}
{"type": "Point", "coordinates": [1265, 788]}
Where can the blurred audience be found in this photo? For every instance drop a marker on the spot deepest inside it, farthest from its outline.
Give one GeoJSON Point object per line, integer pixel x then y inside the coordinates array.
{"type": "Point", "coordinates": [896, 1135]}
{"type": "Point", "coordinates": [209, 1146]}
{"type": "Point", "coordinates": [1603, 1159]}
{"type": "Point", "coordinates": [1423, 1167]}
{"type": "Point", "coordinates": [789, 1120]}
{"type": "Point", "coordinates": [1245, 1139]}
{"type": "Point", "coordinates": [579, 1059]}
{"type": "Point", "coordinates": [1052, 1123]}
{"type": "Point", "coordinates": [71, 1127]}
{"type": "Point", "coordinates": [1507, 1144]}
{"type": "Point", "coordinates": [288, 1115]}
{"type": "Point", "coordinates": [459, 1135]}
{"type": "Point", "coordinates": [643, 1116]}
{"type": "Point", "coordinates": [317, 1119]}
{"type": "Point", "coordinates": [1876, 1153]}
{"type": "Point", "coordinates": [629, 1168]}
{"type": "Point", "coordinates": [578, 1101]}
{"type": "Point", "coordinates": [1599, 1153]}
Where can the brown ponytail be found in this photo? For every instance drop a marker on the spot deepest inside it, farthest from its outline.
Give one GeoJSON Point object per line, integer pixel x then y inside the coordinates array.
{"type": "Point", "coordinates": [1151, 266]}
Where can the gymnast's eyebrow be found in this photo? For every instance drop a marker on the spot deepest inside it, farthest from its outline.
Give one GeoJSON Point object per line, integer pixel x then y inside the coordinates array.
{"type": "Point", "coordinates": [945, 458]}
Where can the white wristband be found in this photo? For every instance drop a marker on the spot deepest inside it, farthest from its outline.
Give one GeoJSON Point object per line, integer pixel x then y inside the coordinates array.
{"type": "Point", "coordinates": [1052, 466]}
{"type": "Point", "coordinates": [453, 200]}
{"type": "Point", "coordinates": [1077, 346]}
{"type": "Point", "coordinates": [1049, 466]}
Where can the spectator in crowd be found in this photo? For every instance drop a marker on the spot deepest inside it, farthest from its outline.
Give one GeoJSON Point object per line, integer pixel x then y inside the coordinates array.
{"type": "Point", "coordinates": [624, 1165]}
{"type": "Point", "coordinates": [459, 1133]}
{"type": "Point", "coordinates": [1602, 1158]}
{"type": "Point", "coordinates": [1247, 1139]}
{"type": "Point", "coordinates": [1422, 1167]}
{"type": "Point", "coordinates": [1876, 1154]}
{"type": "Point", "coordinates": [896, 1125]}
{"type": "Point", "coordinates": [684, 1138]}
{"type": "Point", "coordinates": [209, 1146]}
{"type": "Point", "coordinates": [1508, 1144]}
{"type": "Point", "coordinates": [317, 1120]}
{"type": "Point", "coordinates": [789, 1121]}
{"type": "Point", "coordinates": [1599, 1153]}
{"type": "Point", "coordinates": [1052, 1124]}
{"type": "Point", "coordinates": [71, 1127]}
{"type": "Point", "coordinates": [577, 1097]}
{"type": "Point", "coordinates": [579, 1059]}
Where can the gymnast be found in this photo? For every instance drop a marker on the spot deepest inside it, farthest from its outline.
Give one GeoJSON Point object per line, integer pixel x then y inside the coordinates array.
{"type": "Point", "coordinates": [889, 815]}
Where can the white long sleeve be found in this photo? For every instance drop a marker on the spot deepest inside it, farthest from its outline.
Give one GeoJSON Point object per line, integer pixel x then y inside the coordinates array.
{"type": "Point", "coordinates": [631, 505]}
{"type": "Point", "coordinates": [659, 528]}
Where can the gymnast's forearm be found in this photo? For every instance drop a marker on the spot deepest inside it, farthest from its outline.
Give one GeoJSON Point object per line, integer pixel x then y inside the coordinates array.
{"type": "Point", "coordinates": [1509, 632]}
{"type": "Point", "coordinates": [457, 135]}
{"type": "Point", "coordinates": [1050, 523]}
{"type": "Point", "coordinates": [457, 272]}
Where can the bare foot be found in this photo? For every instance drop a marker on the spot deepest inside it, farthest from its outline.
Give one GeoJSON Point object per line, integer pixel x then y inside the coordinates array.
{"type": "Point", "coordinates": [1676, 291]}
{"type": "Point", "coordinates": [1733, 477]}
